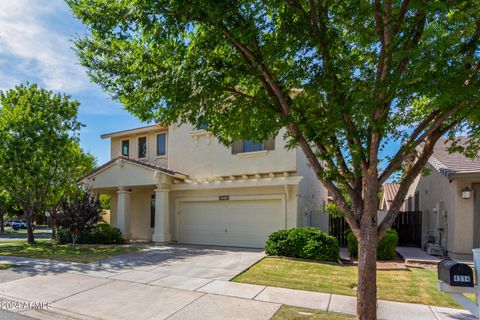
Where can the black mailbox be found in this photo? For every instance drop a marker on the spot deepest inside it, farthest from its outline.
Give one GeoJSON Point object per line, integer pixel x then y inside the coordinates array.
{"type": "Point", "coordinates": [455, 274]}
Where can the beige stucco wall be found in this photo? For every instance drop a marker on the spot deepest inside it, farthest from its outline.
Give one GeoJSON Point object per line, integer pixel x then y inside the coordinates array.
{"type": "Point", "coordinates": [436, 193]}
{"type": "Point", "coordinates": [123, 174]}
{"type": "Point", "coordinates": [140, 215]}
{"type": "Point", "coordinates": [439, 193]}
{"type": "Point", "coordinates": [312, 196]}
{"type": "Point", "coordinates": [464, 220]}
{"type": "Point", "coordinates": [199, 155]}
{"type": "Point", "coordinates": [116, 143]}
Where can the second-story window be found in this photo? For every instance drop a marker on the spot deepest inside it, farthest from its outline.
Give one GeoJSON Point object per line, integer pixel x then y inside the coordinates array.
{"type": "Point", "coordinates": [201, 126]}
{"type": "Point", "coordinates": [142, 147]}
{"type": "Point", "coordinates": [125, 148]}
{"type": "Point", "coordinates": [252, 146]}
{"type": "Point", "coordinates": [242, 146]}
{"type": "Point", "coordinates": [161, 144]}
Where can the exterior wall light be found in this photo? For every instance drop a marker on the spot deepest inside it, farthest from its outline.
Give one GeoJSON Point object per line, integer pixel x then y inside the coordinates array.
{"type": "Point", "coordinates": [466, 193]}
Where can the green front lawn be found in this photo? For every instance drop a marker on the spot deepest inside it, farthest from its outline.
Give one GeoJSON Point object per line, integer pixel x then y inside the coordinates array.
{"type": "Point", "coordinates": [4, 266]}
{"type": "Point", "coordinates": [294, 313]}
{"type": "Point", "coordinates": [44, 249]}
{"type": "Point", "coordinates": [414, 286]}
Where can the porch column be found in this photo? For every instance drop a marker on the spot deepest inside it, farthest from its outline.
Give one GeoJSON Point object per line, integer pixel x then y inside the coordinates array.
{"type": "Point", "coordinates": [161, 232]}
{"type": "Point", "coordinates": [123, 212]}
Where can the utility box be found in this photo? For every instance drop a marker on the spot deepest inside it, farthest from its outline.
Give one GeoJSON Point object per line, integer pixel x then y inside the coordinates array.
{"type": "Point", "coordinates": [455, 274]}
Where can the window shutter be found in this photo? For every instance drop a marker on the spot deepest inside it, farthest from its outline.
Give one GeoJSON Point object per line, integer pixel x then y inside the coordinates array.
{"type": "Point", "coordinates": [269, 144]}
{"type": "Point", "coordinates": [237, 147]}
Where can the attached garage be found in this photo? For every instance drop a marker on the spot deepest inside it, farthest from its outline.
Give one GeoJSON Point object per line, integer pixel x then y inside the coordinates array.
{"type": "Point", "coordinates": [240, 221]}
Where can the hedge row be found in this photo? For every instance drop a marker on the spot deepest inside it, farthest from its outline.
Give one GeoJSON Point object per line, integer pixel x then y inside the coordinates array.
{"type": "Point", "coordinates": [101, 234]}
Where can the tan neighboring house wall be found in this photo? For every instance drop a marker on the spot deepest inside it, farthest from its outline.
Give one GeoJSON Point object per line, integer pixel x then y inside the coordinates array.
{"type": "Point", "coordinates": [442, 205]}
{"type": "Point", "coordinates": [436, 200]}
{"type": "Point", "coordinates": [203, 192]}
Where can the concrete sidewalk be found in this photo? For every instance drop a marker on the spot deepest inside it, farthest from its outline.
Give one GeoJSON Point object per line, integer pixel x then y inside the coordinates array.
{"type": "Point", "coordinates": [173, 282]}
{"type": "Point", "coordinates": [104, 297]}
{"type": "Point", "coordinates": [387, 310]}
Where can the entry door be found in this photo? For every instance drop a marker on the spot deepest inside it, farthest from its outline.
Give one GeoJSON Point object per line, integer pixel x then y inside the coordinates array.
{"type": "Point", "coordinates": [476, 216]}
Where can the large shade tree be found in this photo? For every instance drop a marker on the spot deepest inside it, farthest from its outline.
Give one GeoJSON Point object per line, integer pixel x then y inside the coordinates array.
{"type": "Point", "coordinates": [40, 157]}
{"type": "Point", "coordinates": [345, 78]}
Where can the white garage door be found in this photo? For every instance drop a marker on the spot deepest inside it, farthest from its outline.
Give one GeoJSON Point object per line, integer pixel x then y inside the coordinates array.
{"type": "Point", "coordinates": [240, 223]}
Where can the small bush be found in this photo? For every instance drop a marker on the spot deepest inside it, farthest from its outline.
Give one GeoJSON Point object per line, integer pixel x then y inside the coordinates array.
{"type": "Point", "coordinates": [305, 243]}
{"type": "Point", "coordinates": [386, 247]}
{"type": "Point", "coordinates": [103, 233]}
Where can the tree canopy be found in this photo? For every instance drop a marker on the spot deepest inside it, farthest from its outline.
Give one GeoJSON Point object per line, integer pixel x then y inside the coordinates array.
{"type": "Point", "coordinates": [40, 158]}
{"type": "Point", "coordinates": [345, 78]}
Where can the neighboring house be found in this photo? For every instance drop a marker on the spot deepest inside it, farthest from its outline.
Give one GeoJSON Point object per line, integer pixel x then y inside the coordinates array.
{"type": "Point", "coordinates": [389, 192]}
{"type": "Point", "coordinates": [453, 219]}
{"type": "Point", "coordinates": [178, 183]}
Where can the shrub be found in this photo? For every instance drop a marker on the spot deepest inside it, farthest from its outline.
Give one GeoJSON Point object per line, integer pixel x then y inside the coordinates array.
{"type": "Point", "coordinates": [78, 213]}
{"type": "Point", "coordinates": [386, 247]}
{"type": "Point", "coordinates": [101, 234]}
{"type": "Point", "coordinates": [305, 243]}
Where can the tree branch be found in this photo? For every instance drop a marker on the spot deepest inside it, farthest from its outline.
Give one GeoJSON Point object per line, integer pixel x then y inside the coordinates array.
{"type": "Point", "coordinates": [411, 175]}
{"type": "Point", "coordinates": [320, 172]}
{"type": "Point", "coordinates": [414, 140]}
{"type": "Point", "coordinates": [407, 147]}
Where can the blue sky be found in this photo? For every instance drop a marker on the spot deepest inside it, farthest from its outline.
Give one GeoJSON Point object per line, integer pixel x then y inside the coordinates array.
{"type": "Point", "coordinates": [35, 46]}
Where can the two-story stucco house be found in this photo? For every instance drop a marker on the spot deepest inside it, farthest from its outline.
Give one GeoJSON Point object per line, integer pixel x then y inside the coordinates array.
{"type": "Point", "coordinates": [449, 198]}
{"type": "Point", "coordinates": [178, 183]}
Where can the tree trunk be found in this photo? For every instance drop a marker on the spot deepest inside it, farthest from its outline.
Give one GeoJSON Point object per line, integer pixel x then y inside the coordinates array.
{"type": "Point", "coordinates": [2, 221]}
{"type": "Point", "coordinates": [367, 273]}
{"type": "Point", "coordinates": [74, 240]}
{"type": "Point", "coordinates": [54, 228]}
{"type": "Point", "coordinates": [29, 218]}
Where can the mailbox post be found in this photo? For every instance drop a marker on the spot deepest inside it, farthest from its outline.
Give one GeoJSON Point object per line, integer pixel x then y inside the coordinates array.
{"type": "Point", "coordinates": [456, 279]}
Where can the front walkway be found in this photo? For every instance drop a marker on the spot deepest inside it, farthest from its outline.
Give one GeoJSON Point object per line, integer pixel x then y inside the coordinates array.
{"type": "Point", "coordinates": [178, 282]}
{"type": "Point", "coordinates": [416, 255]}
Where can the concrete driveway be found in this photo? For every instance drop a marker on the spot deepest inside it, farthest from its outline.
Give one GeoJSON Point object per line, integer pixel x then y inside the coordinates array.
{"type": "Point", "coordinates": [174, 282]}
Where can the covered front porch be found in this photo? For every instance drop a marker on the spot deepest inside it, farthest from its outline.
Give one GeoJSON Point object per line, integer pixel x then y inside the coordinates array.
{"type": "Point", "coordinates": [139, 191]}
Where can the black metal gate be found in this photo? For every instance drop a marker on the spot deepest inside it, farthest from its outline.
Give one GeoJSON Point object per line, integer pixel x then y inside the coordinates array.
{"type": "Point", "coordinates": [408, 225]}
{"type": "Point", "coordinates": [337, 228]}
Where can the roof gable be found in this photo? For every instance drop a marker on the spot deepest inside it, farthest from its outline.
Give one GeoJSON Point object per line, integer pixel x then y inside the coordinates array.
{"type": "Point", "coordinates": [123, 171]}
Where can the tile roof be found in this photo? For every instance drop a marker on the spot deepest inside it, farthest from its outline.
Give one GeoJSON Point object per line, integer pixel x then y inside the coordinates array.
{"type": "Point", "coordinates": [452, 163]}
{"type": "Point", "coordinates": [137, 162]}
{"type": "Point", "coordinates": [390, 191]}
{"type": "Point", "coordinates": [131, 131]}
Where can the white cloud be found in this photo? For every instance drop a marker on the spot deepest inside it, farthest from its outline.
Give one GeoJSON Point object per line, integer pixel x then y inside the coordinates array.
{"type": "Point", "coordinates": [34, 34]}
